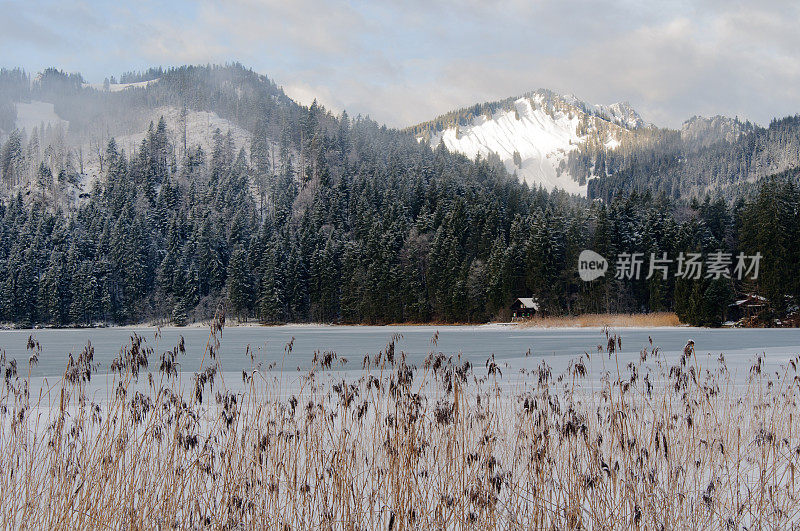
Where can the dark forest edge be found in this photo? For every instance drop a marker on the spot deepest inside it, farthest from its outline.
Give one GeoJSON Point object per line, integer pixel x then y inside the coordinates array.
{"type": "Point", "coordinates": [350, 222]}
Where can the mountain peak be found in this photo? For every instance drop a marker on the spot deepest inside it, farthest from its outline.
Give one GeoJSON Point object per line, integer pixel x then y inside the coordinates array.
{"type": "Point", "coordinates": [622, 113]}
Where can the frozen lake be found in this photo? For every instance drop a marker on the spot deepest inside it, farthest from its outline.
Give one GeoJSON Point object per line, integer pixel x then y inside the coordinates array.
{"type": "Point", "coordinates": [476, 343]}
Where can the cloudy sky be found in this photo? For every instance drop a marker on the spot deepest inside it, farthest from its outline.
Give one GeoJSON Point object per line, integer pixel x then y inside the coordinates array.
{"type": "Point", "coordinates": [406, 61]}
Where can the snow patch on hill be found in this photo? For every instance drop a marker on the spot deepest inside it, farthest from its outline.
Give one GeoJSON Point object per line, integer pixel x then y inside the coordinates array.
{"type": "Point", "coordinates": [702, 131]}
{"type": "Point", "coordinates": [200, 127]}
{"type": "Point", "coordinates": [36, 114]}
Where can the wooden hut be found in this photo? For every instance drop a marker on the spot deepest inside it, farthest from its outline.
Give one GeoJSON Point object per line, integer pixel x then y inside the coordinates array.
{"type": "Point", "coordinates": [524, 308]}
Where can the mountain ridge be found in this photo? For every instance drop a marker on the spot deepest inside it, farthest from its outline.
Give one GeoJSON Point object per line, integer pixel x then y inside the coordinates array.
{"type": "Point", "coordinates": [563, 142]}
{"type": "Point", "coordinates": [546, 139]}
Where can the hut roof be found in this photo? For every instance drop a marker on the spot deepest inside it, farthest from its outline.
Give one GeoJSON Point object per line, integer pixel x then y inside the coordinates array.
{"type": "Point", "coordinates": [527, 302]}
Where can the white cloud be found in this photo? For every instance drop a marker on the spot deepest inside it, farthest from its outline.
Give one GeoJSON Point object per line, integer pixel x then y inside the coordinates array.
{"type": "Point", "coordinates": [305, 94]}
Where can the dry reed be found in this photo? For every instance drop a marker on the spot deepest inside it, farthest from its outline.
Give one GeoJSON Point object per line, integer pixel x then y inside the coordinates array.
{"type": "Point", "coordinates": [445, 445]}
{"type": "Point", "coordinates": [649, 320]}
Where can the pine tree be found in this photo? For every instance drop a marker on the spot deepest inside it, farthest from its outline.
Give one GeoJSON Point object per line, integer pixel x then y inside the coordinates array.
{"type": "Point", "coordinates": [271, 300]}
{"type": "Point", "coordinates": [239, 285]}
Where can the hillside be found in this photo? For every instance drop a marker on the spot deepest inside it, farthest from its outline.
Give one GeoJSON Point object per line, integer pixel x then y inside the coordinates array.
{"type": "Point", "coordinates": [287, 212]}
{"type": "Point", "coordinates": [58, 120]}
{"type": "Point", "coordinates": [722, 159]}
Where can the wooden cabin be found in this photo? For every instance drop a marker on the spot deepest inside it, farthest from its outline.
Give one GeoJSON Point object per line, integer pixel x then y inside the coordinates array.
{"type": "Point", "coordinates": [747, 309]}
{"type": "Point", "coordinates": [524, 308]}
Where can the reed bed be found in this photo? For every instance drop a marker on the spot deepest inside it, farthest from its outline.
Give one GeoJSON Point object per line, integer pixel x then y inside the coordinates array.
{"type": "Point", "coordinates": [649, 320]}
{"type": "Point", "coordinates": [657, 444]}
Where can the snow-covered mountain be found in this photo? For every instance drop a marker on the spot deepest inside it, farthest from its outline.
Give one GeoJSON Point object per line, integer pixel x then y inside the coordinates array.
{"type": "Point", "coordinates": [55, 129]}
{"type": "Point", "coordinates": [533, 134]}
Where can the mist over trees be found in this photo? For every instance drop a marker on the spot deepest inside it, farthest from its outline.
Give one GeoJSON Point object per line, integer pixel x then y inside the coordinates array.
{"type": "Point", "coordinates": [330, 219]}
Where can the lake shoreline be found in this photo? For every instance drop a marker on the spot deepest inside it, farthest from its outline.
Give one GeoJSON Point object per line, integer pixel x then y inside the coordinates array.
{"type": "Point", "coordinates": [514, 325]}
{"type": "Point", "coordinates": [465, 326]}
{"type": "Point", "coordinates": [635, 321]}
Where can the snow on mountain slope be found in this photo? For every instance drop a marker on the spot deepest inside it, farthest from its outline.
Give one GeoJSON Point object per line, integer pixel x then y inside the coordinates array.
{"type": "Point", "coordinates": [534, 135]}
{"type": "Point", "coordinates": [621, 114]}
{"type": "Point", "coordinates": [36, 113]}
{"type": "Point", "coordinates": [200, 127]}
{"type": "Point", "coordinates": [540, 140]}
